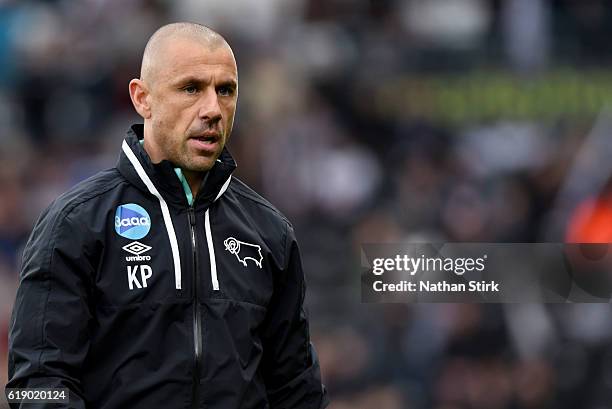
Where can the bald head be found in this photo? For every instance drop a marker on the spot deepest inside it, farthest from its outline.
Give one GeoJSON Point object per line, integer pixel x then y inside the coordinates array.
{"type": "Point", "coordinates": [187, 95]}
{"type": "Point", "coordinates": [155, 57]}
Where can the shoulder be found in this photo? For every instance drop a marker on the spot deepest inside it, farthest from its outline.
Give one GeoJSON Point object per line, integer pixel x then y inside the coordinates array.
{"type": "Point", "coordinates": [61, 225]}
{"type": "Point", "coordinates": [86, 191]}
{"type": "Point", "coordinates": [255, 200]}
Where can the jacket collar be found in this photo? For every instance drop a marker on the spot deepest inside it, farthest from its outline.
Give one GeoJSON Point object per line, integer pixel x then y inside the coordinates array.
{"type": "Point", "coordinates": [162, 176]}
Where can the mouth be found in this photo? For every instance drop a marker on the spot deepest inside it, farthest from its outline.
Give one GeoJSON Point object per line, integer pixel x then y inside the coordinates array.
{"type": "Point", "coordinates": [206, 141]}
{"type": "Point", "coordinates": [207, 137]}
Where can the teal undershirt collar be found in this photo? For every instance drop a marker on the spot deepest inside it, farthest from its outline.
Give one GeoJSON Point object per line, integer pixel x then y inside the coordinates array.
{"type": "Point", "coordinates": [186, 187]}
{"type": "Point", "coordinates": [181, 177]}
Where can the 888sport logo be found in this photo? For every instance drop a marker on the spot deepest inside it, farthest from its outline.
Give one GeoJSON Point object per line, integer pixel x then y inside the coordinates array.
{"type": "Point", "coordinates": [132, 221]}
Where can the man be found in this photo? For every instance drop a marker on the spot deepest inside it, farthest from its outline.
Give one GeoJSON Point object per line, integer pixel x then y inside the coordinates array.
{"type": "Point", "coordinates": [165, 282]}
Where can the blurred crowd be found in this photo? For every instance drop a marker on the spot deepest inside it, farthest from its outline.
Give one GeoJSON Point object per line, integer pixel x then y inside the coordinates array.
{"type": "Point", "coordinates": [313, 136]}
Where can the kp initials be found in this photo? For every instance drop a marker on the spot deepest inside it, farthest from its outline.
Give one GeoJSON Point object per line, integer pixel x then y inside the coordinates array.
{"type": "Point", "coordinates": [145, 273]}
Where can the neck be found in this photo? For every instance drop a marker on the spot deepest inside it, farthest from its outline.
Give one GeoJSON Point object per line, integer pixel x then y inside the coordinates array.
{"type": "Point", "coordinates": [194, 179]}
{"type": "Point", "coordinates": [153, 151]}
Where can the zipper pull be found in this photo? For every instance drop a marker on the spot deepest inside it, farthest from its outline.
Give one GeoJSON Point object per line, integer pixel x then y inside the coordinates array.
{"type": "Point", "coordinates": [191, 216]}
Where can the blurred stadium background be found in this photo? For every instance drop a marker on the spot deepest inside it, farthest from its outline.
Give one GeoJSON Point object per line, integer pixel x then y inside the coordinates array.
{"type": "Point", "coordinates": [363, 121]}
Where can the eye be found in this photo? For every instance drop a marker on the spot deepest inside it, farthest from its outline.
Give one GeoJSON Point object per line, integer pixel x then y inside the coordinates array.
{"type": "Point", "coordinates": [225, 91]}
{"type": "Point", "coordinates": [190, 89]}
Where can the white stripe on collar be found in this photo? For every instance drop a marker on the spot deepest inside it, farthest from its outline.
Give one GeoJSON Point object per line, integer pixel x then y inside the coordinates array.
{"type": "Point", "coordinates": [164, 208]}
{"type": "Point", "coordinates": [224, 187]}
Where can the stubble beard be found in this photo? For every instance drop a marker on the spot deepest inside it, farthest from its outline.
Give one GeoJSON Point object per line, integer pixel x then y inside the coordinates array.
{"type": "Point", "coordinates": [191, 161]}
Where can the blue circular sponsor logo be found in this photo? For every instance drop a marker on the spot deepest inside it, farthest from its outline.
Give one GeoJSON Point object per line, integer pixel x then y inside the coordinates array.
{"type": "Point", "coordinates": [132, 221]}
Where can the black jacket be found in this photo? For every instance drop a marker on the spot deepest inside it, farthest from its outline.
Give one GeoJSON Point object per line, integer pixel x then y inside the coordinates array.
{"type": "Point", "coordinates": [132, 298]}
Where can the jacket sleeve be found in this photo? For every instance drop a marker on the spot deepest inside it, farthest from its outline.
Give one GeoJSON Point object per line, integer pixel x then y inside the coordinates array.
{"type": "Point", "coordinates": [290, 364]}
{"type": "Point", "coordinates": [48, 334]}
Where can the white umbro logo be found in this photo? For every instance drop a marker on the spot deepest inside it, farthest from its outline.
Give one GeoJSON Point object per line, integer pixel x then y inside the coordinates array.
{"type": "Point", "coordinates": [136, 248]}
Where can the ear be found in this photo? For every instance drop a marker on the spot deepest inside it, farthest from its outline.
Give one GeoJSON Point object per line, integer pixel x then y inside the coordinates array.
{"type": "Point", "coordinates": [139, 94]}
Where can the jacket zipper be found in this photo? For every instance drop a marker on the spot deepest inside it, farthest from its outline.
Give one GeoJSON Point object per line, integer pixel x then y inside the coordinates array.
{"type": "Point", "coordinates": [197, 319]}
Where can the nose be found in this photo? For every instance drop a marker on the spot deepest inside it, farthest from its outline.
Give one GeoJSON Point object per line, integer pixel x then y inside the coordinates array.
{"type": "Point", "coordinates": [210, 111]}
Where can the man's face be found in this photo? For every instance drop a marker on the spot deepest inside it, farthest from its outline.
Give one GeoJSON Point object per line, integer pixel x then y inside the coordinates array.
{"type": "Point", "coordinates": [192, 99]}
